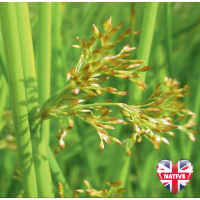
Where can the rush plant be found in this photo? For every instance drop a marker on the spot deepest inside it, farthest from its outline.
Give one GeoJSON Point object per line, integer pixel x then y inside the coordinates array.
{"type": "Point", "coordinates": [157, 115]}
{"type": "Point", "coordinates": [32, 106]}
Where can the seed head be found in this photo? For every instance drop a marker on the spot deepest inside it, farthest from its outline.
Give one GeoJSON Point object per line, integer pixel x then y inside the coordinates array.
{"type": "Point", "coordinates": [86, 183]}
{"type": "Point", "coordinates": [107, 23]}
{"type": "Point", "coordinates": [101, 146]}
{"type": "Point", "coordinates": [95, 30]}
{"type": "Point", "coordinates": [191, 136]}
{"type": "Point", "coordinates": [158, 140]}
{"type": "Point", "coordinates": [117, 141]}
{"type": "Point", "coordinates": [164, 140]}
{"type": "Point", "coordinates": [75, 195]}
{"type": "Point", "coordinates": [106, 139]}
{"type": "Point", "coordinates": [62, 143]}
{"type": "Point", "coordinates": [64, 133]}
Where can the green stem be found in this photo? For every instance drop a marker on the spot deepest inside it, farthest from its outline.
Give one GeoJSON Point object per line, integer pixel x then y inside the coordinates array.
{"type": "Point", "coordinates": [96, 104]}
{"type": "Point", "coordinates": [18, 97]}
{"type": "Point", "coordinates": [28, 62]}
{"type": "Point", "coordinates": [169, 40]}
{"type": "Point", "coordinates": [2, 62]}
{"type": "Point", "coordinates": [144, 51]}
{"type": "Point", "coordinates": [57, 173]}
{"type": "Point", "coordinates": [146, 38]}
{"type": "Point", "coordinates": [3, 97]}
{"type": "Point", "coordinates": [44, 57]}
{"type": "Point", "coordinates": [145, 43]}
{"type": "Point", "coordinates": [57, 54]}
{"type": "Point", "coordinates": [42, 169]}
{"type": "Point", "coordinates": [55, 97]}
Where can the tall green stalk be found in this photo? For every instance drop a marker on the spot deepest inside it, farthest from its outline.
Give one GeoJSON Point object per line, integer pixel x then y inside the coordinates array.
{"type": "Point", "coordinates": [18, 97]}
{"type": "Point", "coordinates": [57, 173]}
{"type": "Point", "coordinates": [57, 56]}
{"type": "Point", "coordinates": [169, 38]}
{"type": "Point", "coordinates": [44, 57]}
{"type": "Point", "coordinates": [42, 169]}
{"type": "Point", "coordinates": [144, 48]}
{"type": "Point", "coordinates": [121, 159]}
{"type": "Point", "coordinates": [2, 61]}
{"type": "Point", "coordinates": [3, 91]}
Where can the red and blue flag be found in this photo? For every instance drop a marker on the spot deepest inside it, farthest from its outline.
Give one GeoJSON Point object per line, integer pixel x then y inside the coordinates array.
{"type": "Point", "coordinates": [174, 177]}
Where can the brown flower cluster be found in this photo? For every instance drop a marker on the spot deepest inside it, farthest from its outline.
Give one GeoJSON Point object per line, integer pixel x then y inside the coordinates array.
{"type": "Point", "coordinates": [114, 192]}
{"type": "Point", "coordinates": [160, 113]}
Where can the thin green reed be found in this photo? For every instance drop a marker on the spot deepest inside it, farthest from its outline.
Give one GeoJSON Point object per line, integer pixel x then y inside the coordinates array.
{"type": "Point", "coordinates": [3, 90]}
{"type": "Point", "coordinates": [18, 97]}
{"type": "Point", "coordinates": [169, 38]}
{"type": "Point", "coordinates": [122, 169]}
{"type": "Point", "coordinates": [142, 54]}
{"type": "Point", "coordinates": [145, 42]}
{"type": "Point", "coordinates": [42, 169]}
{"type": "Point", "coordinates": [44, 57]}
{"type": "Point", "coordinates": [57, 173]}
{"type": "Point", "coordinates": [2, 66]}
{"type": "Point", "coordinates": [28, 62]}
{"type": "Point", "coordinates": [56, 45]}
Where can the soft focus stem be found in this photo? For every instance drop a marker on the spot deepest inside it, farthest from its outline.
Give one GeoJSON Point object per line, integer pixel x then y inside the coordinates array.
{"type": "Point", "coordinates": [42, 170]}
{"type": "Point", "coordinates": [18, 97]}
{"type": "Point", "coordinates": [144, 47]}
{"type": "Point", "coordinates": [169, 38]}
{"type": "Point", "coordinates": [146, 38]}
{"type": "Point", "coordinates": [57, 173]}
{"type": "Point", "coordinates": [44, 57]}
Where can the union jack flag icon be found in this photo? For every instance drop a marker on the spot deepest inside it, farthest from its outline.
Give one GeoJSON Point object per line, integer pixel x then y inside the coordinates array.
{"type": "Point", "coordinates": [174, 177]}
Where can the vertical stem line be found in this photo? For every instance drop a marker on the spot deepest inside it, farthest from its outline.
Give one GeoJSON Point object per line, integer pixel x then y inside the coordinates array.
{"type": "Point", "coordinates": [43, 175]}
{"type": "Point", "coordinates": [44, 58]}
{"type": "Point", "coordinates": [57, 173]}
{"type": "Point", "coordinates": [144, 51]}
{"type": "Point", "coordinates": [122, 160]}
{"type": "Point", "coordinates": [18, 97]}
{"type": "Point", "coordinates": [57, 55]}
{"type": "Point", "coordinates": [3, 97]}
{"type": "Point", "coordinates": [145, 43]}
{"type": "Point", "coordinates": [2, 56]}
{"type": "Point", "coordinates": [169, 39]}
{"type": "Point", "coordinates": [28, 62]}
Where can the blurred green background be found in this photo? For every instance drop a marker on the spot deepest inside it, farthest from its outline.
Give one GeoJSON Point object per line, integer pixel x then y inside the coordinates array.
{"type": "Point", "coordinates": [175, 45]}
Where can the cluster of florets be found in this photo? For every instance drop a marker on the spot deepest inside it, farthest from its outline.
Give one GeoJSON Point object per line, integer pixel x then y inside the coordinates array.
{"type": "Point", "coordinates": [158, 114]}
{"type": "Point", "coordinates": [114, 192]}
{"type": "Point", "coordinates": [62, 133]}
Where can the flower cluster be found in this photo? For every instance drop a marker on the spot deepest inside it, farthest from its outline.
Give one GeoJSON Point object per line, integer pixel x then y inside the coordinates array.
{"type": "Point", "coordinates": [113, 192]}
{"type": "Point", "coordinates": [94, 67]}
{"type": "Point", "coordinates": [158, 114]}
